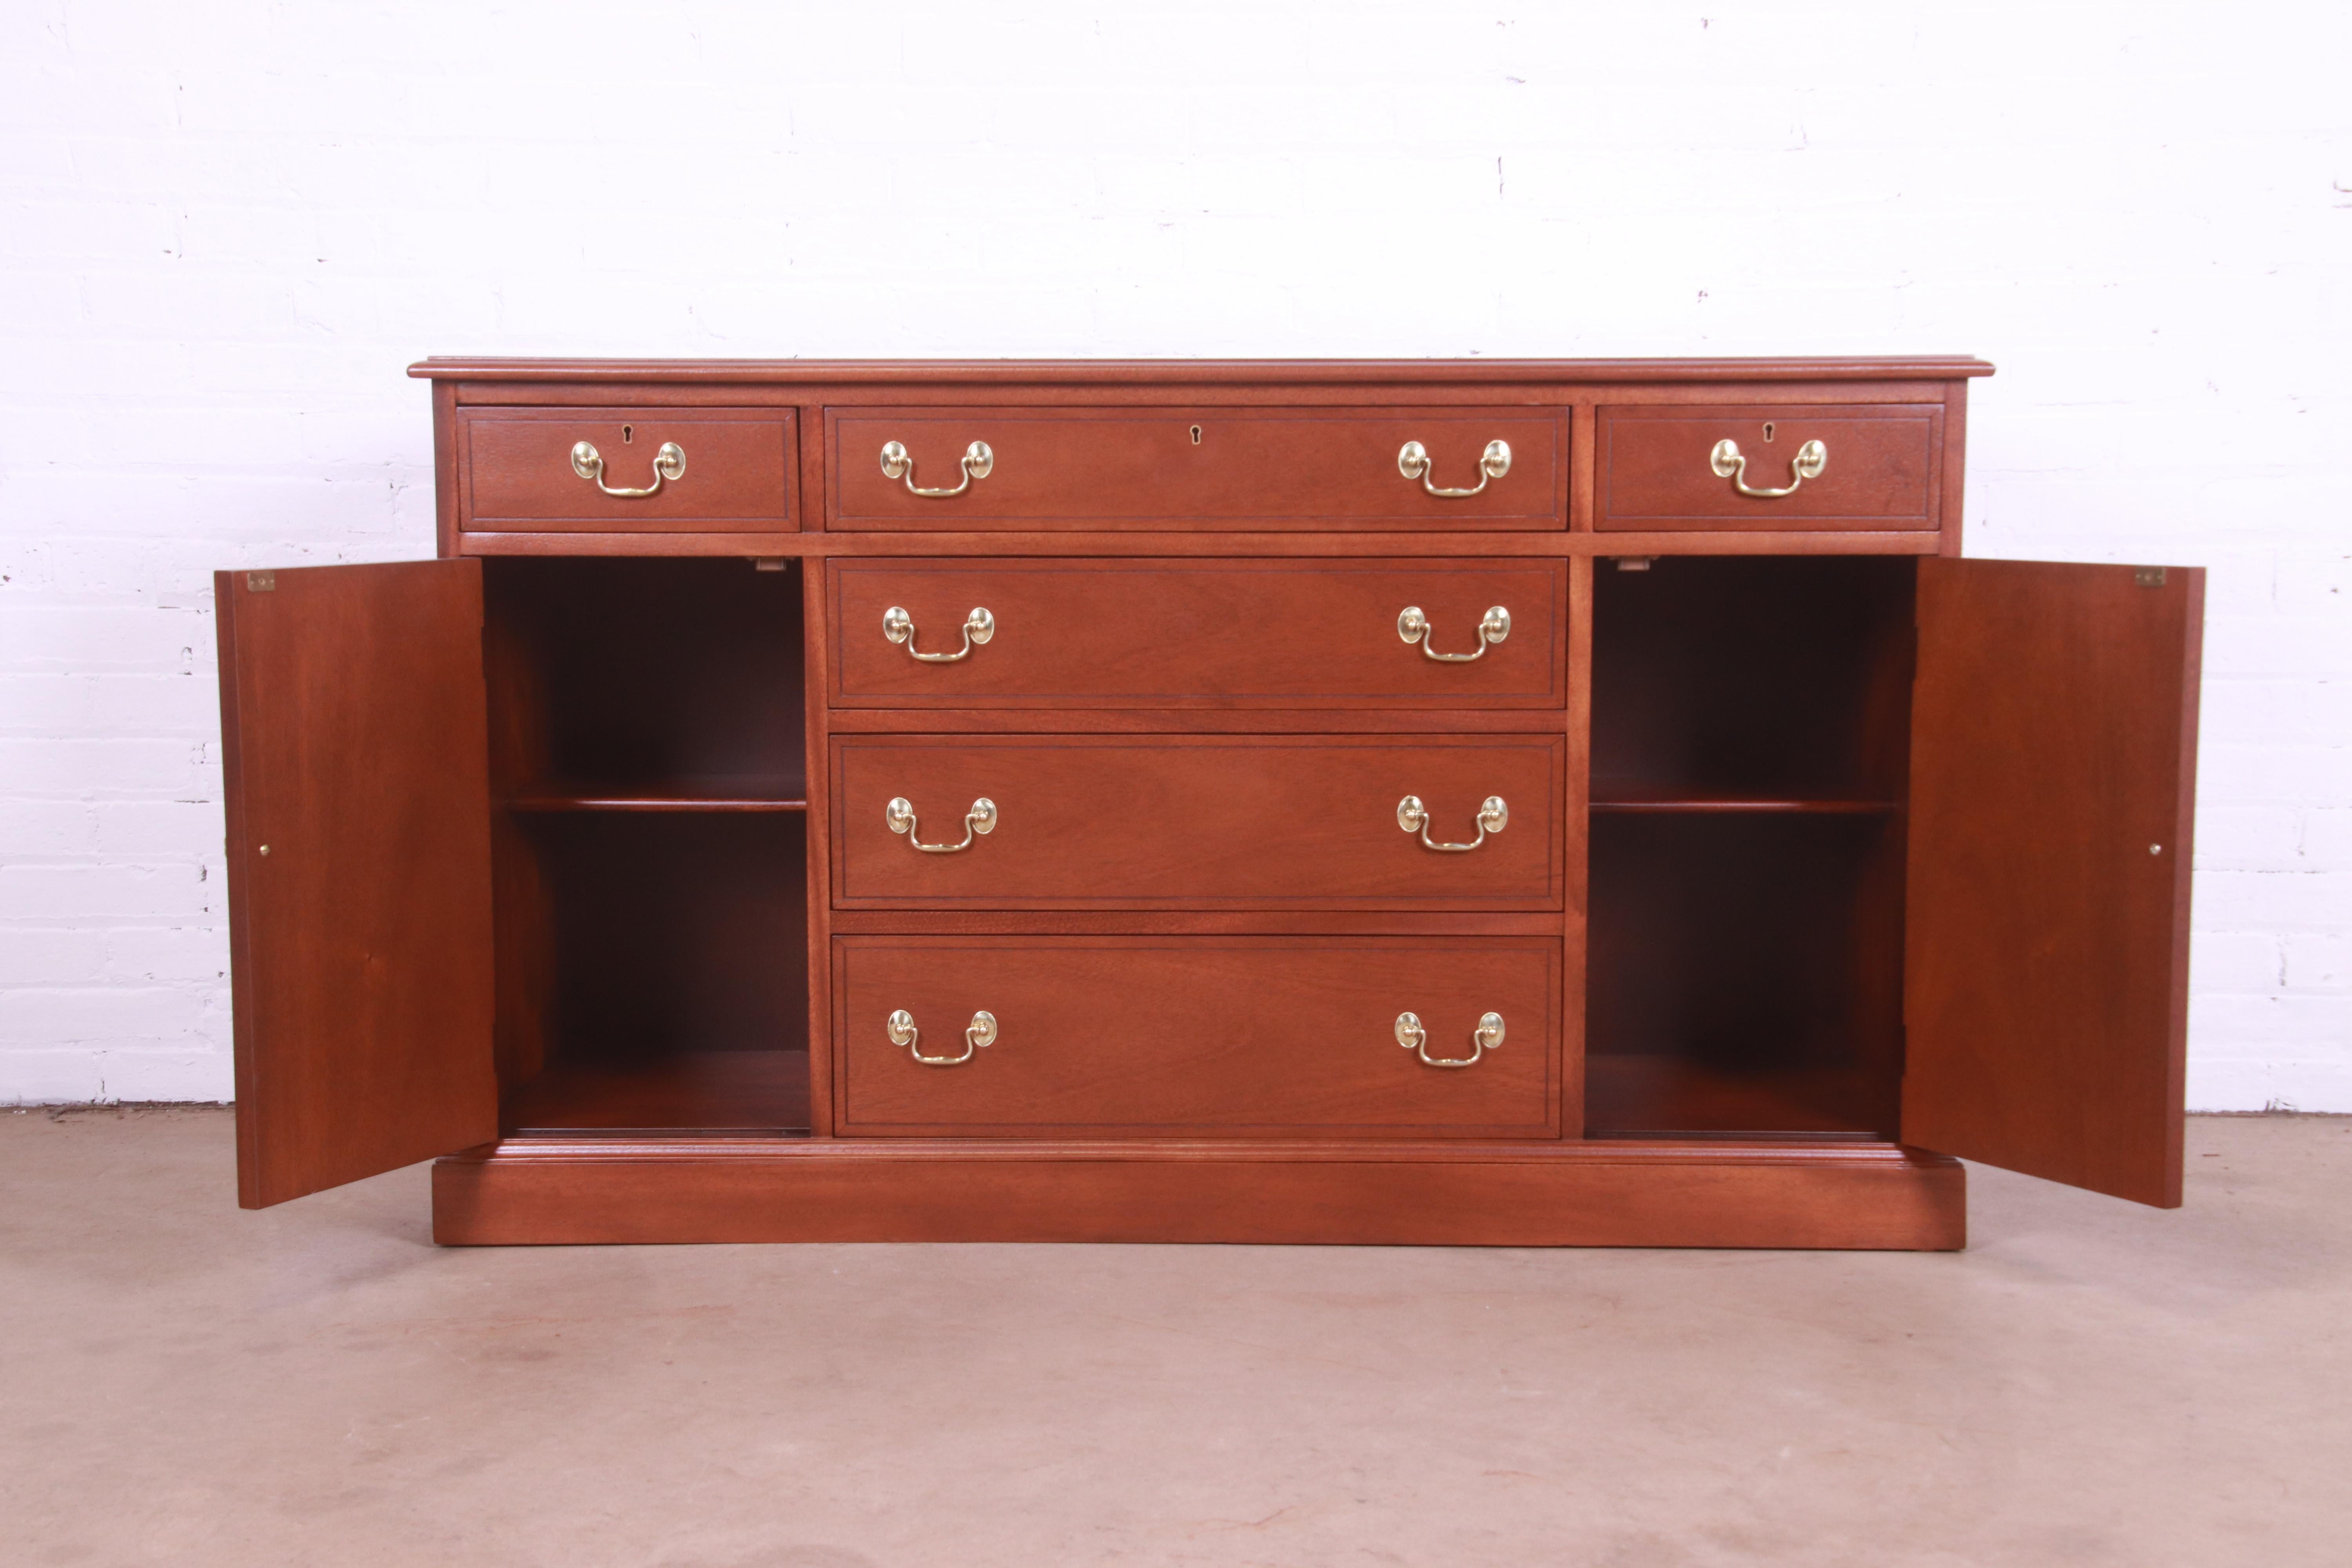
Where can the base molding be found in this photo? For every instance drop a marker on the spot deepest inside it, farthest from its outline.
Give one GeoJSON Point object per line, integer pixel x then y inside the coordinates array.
{"type": "Point", "coordinates": [526, 1192]}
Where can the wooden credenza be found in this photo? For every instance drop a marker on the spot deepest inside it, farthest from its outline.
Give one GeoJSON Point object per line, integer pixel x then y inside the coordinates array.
{"type": "Point", "coordinates": [1472, 803]}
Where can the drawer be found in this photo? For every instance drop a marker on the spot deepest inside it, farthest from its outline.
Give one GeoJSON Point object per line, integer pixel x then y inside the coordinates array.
{"type": "Point", "coordinates": [1170, 468]}
{"type": "Point", "coordinates": [1110, 1035]}
{"type": "Point", "coordinates": [1669, 469]}
{"type": "Point", "coordinates": [734, 472]}
{"type": "Point", "coordinates": [1271, 822]}
{"type": "Point", "coordinates": [1216, 634]}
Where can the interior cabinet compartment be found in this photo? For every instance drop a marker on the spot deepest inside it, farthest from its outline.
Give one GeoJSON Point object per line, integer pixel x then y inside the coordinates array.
{"type": "Point", "coordinates": [662, 684]}
{"type": "Point", "coordinates": [1751, 680]}
{"type": "Point", "coordinates": [653, 972]}
{"type": "Point", "coordinates": [1745, 974]}
{"type": "Point", "coordinates": [650, 859]}
{"type": "Point", "coordinates": [1750, 744]}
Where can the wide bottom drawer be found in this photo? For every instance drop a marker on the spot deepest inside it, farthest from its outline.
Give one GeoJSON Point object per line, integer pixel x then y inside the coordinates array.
{"type": "Point", "coordinates": [1209, 1036]}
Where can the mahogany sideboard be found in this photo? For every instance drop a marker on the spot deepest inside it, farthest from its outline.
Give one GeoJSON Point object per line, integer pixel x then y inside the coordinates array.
{"type": "Point", "coordinates": [1537, 802]}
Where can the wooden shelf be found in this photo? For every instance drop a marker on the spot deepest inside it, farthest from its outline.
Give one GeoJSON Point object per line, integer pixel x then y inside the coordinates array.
{"type": "Point", "coordinates": [729, 795]}
{"type": "Point", "coordinates": [1667, 1097]}
{"type": "Point", "coordinates": [689, 1091]}
{"type": "Point", "coordinates": [1615, 797]}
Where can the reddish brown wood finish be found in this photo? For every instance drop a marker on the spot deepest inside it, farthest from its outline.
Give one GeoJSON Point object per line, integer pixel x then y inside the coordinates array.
{"type": "Point", "coordinates": [518, 473]}
{"type": "Point", "coordinates": [1092, 721]}
{"type": "Point", "coordinates": [1576, 930]}
{"type": "Point", "coordinates": [1149, 374]}
{"type": "Point", "coordinates": [1495, 1195]}
{"type": "Point", "coordinates": [647, 746]}
{"type": "Point", "coordinates": [662, 933]}
{"type": "Point", "coordinates": [691, 1091]}
{"type": "Point", "coordinates": [1145, 823]}
{"type": "Point", "coordinates": [1211, 547]}
{"type": "Point", "coordinates": [1205, 599]}
{"type": "Point", "coordinates": [1199, 1036]}
{"type": "Point", "coordinates": [2053, 738]}
{"type": "Point", "coordinates": [1952, 514]}
{"type": "Point", "coordinates": [1189, 922]}
{"type": "Point", "coordinates": [675, 678]}
{"type": "Point", "coordinates": [1266, 632]}
{"type": "Point", "coordinates": [1750, 725]}
{"type": "Point", "coordinates": [1885, 467]}
{"type": "Point", "coordinates": [448, 472]}
{"type": "Point", "coordinates": [816, 892]}
{"type": "Point", "coordinates": [1735, 951]}
{"type": "Point", "coordinates": [1251, 468]}
{"type": "Point", "coordinates": [1742, 678]}
{"type": "Point", "coordinates": [354, 747]}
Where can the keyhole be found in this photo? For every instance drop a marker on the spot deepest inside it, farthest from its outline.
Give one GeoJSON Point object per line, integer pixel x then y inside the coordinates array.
{"type": "Point", "coordinates": [1768, 429]}
{"type": "Point", "coordinates": [1196, 435]}
{"type": "Point", "coordinates": [628, 433]}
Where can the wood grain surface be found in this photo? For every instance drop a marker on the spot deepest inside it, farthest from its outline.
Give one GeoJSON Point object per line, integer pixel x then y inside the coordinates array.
{"type": "Point", "coordinates": [2052, 780]}
{"type": "Point", "coordinates": [1194, 1035]}
{"type": "Point", "coordinates": [517, 469]}
{"type": "Point", "coordinates": [1159, 822]}
{"type": "Point", "coordinates": [355, 750]}
{"type": "Point", "coordinates": [1259, 632]}
{"type": "Point", "coordinates": [1403, 377]}
{"type": "Point", "coordinates": [1883, 470]}
{"type": "Point", "coordinates": [1395, 1194]}
{"type": "Point", "coordinates": [1260, 467]}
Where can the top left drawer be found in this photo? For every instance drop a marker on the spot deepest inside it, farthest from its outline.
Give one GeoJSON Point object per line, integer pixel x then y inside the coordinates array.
{"type": "Point", "coordinates": [623, 470]}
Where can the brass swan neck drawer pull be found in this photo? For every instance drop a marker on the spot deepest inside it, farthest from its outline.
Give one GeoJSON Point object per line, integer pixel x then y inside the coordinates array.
{"type": "Point", "coordinates": [977, 1035]}
{"type": "Point", "coordinates": [896, 465]}
{"type": "Point", "coordinates": [1487, 1036]}
{"type": "Point", "coordinates": [1725, 460]}
{"type": "Point", "coordinates": [1492, 627]}
{"type": "Point", "coordinates": [669, 463]}
{"type": "Point", "coordinates": [1412, 462]}
{"type": "Point", "coordinates": [981, 820]}
{"type": "Point", "coordinates": [899, 628]}
{"type": "Point", "coordinates": [1414, 817]}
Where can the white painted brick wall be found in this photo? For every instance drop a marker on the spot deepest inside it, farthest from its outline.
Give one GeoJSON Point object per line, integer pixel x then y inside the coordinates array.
{"type": "Point", "coordinates": [226, 228]}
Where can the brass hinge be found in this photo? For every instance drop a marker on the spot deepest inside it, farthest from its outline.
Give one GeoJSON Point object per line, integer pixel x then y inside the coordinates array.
{"type": "Point", "coordinates": [261, 582]}
{"type": "Point", "coordinates": [2148, 576]}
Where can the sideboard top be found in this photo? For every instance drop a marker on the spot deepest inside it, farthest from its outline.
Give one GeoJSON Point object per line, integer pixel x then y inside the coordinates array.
{"type": "Point", "coordinates": [1196, 372]}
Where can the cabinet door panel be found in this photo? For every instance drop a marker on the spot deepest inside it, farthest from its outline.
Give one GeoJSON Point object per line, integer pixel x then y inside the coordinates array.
{"type": "Point", "coordinates": [355, 750]}
{"type": "Point", "coordinates": [2045, 968]}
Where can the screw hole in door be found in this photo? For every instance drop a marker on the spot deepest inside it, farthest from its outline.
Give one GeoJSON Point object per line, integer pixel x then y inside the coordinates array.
{"type": "Point", "coordinates": [1196, 435]}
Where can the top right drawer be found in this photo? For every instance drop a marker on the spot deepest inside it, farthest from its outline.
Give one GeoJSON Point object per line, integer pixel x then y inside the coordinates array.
{"type": "Point", "coordinates": [1764, 466]}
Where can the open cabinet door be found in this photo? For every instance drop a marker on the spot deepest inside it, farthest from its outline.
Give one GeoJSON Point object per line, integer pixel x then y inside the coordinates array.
{"type": "Point", "coordinates": [2053, 744]}
{"type": "Point", "coordinates": [356, 752]}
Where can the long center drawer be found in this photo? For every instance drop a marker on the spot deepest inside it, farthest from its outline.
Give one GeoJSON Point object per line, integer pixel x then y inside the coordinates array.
{"type": "Point", "coordinates": [977, 469]}
{"type": "Point", "coordinates": [1196, 822]}
{"type": "Point", "coordinates": [1128, 1036]}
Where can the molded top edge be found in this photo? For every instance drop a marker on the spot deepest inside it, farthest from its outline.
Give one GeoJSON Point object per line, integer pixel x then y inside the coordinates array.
{"type": "Point", "coordinates": [1196, 372]}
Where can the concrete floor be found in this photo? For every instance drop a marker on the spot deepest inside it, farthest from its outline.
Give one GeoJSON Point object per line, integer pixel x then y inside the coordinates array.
{"type": "Point", "coordinates": [2093, 1383]}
